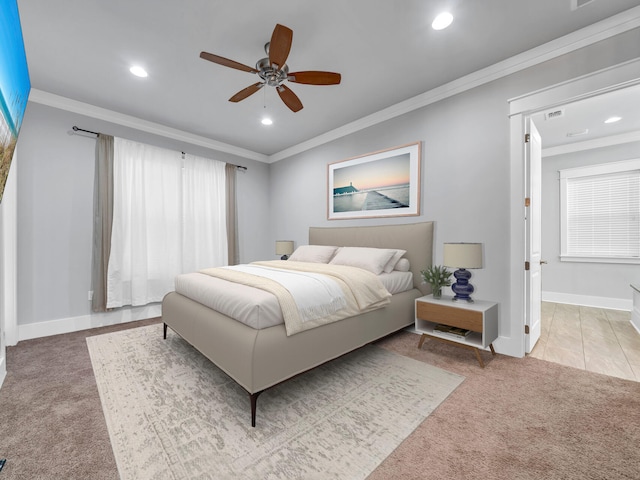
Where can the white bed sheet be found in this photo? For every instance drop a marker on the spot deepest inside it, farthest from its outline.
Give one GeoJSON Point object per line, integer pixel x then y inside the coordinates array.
{"type": "Point", "coordinates": [254, 307]}
{"type": "Point", "coordinates": [396, 282]}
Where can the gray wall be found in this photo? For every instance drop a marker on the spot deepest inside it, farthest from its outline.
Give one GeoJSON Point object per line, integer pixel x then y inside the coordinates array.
{"type": "Point", "coordinates": [465, 165]}
{"type": "Point", "coordinates": [593, 279]}
{"type": "Point", "coordinates": [55, 202]}
{"type": "Point", "coordinates": [464, 194]}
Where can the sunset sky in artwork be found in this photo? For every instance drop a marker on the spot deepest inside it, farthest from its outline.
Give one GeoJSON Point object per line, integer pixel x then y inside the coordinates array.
{"type": "Point", "coordinates": [379, 173]}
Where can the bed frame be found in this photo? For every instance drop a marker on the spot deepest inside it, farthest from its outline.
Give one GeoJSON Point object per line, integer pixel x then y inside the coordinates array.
{"type": "Point", "coordinates": [260, 359]}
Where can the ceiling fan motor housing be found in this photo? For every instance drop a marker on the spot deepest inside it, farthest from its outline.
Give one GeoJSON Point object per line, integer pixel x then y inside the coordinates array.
{"type": "Point", "coordinates": [272, 77]}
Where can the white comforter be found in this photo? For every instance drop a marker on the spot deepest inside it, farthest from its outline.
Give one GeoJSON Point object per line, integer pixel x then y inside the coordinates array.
{"type": "Point", "coordinates": [362, 291]}
{"type": "Point", "coordinates": [315, 295]}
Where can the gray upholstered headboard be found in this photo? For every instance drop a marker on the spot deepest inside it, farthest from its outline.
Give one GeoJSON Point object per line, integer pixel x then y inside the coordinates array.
{"type": "Point", "coordinates": [415, 238]}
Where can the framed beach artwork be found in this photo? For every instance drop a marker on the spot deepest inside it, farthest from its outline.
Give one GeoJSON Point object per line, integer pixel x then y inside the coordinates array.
{"type": "Point", "coordinates": [378, 184]}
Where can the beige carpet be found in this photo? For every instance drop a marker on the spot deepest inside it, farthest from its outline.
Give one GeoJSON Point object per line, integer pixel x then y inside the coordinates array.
{"type": "Point", "coordinates": [172, 414]}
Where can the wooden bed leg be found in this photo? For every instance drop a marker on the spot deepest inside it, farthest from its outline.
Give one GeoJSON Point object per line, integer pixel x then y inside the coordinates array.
{"type": "Point", "coordinates": [254, 399]}
{"type": "Point", "coordinates": [165, 330]}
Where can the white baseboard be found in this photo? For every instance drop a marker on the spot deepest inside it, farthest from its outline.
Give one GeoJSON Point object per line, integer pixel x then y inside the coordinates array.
{"type": "Point", "coordinates": [3, 370]}
{"type": "Point", "coordinates": [85, 322]}
{"type": "Point", "coordinates": [589, 301]}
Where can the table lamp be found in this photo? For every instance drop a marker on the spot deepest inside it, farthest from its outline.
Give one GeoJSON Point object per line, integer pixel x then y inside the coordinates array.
{"type": "Point", "coordinates": [462, 256]}
{"type": "Point", "coordinates": [284, 248]}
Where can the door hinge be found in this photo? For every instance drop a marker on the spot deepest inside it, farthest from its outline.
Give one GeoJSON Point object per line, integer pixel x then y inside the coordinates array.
{"type": "Point", "coordinates": [527, 202]}
{"type": "Point", "coordinates": [526, 265]}
{"type": "Point", "coordinates": [527, 137]}
{"type": "Point", "coordinates": [526, 329]}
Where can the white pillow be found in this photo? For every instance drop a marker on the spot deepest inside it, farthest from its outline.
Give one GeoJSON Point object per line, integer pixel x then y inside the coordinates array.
{"type": "Point", "coordinates": [313, 253]}
{"type": "Point", "coordinates": [372, 259]}
{"type": "Point", "coordinates": [403, 265]}
{"type": "Point", "coordinates": [388, 268]}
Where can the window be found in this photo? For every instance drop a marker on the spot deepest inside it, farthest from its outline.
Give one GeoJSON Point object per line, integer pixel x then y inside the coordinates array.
{"type": "Point", "coordinates": [600, 213]}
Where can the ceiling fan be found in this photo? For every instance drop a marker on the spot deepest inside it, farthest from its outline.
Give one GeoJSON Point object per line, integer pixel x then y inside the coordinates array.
{"type": "Point", "coordinates": [274, 71]}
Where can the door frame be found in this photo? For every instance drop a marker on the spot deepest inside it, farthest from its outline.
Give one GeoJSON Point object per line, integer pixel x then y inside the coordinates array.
{"type": "Point", "coordinates": [520, 109]}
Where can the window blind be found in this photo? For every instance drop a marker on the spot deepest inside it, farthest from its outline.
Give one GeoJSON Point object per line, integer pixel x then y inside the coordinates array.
{"type": "Point", "coordinates": [603, 215]}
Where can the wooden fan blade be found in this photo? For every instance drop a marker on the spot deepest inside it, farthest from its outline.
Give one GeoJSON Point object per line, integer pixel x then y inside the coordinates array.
{"type": "Point", "coordinates": [245, 92]}
{"type": "Point", "coordinates": [280, 45]}
{"type": "Point", "coordinates": [290, 99]}
{"type": "Point", "coordinates": [226, 62]}
{"type": "Point", "coordinates": [315, 78]}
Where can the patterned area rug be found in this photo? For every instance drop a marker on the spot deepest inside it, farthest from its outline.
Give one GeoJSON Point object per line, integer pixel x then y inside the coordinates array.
{"type": "Point", "coordinates": [172, 414]}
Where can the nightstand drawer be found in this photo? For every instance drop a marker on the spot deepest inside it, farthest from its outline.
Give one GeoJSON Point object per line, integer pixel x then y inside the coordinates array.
{"type": "Point", "coordinates": [453, 316]}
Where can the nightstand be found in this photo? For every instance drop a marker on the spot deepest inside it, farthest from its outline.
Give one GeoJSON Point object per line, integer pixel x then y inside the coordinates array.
{"type": "Point", "coordinates": [480, 317]}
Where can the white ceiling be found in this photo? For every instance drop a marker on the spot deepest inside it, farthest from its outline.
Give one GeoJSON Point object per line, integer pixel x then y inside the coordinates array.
{"type": "Point", "coordinates": [587, 118]}
{"type": "Point", "coordinates": [385, 50]}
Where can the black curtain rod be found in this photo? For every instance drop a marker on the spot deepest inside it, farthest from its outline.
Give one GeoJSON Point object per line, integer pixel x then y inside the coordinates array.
{"type": "Point", "coordinates": [76, 129]}
{"type": "Point", "coordinates": [239, 167]}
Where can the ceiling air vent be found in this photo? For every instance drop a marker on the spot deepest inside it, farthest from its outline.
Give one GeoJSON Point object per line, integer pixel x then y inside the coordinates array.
{"type": "Point", "coordinates": [575, 4]}
{"type": "Point", "coordinates": [557, 113]}
{"type": "Point", "coordinates": [578, 133]}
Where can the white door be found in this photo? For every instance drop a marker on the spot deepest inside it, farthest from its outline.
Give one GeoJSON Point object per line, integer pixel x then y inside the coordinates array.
{"type": "Point", "coordinates": [533, 279]}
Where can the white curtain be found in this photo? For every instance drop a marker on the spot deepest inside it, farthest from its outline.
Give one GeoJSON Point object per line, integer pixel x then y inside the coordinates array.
{"type": "Point", "coordinates": [204, 235]}
{"type": "Point", "coordinates": [168, 218]}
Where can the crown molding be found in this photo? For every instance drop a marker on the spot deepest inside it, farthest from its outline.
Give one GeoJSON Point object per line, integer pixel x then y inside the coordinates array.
{"type": "Point", "coordinates": [64, 103]}
{"type": "Point", "coordinates": [586, 36]}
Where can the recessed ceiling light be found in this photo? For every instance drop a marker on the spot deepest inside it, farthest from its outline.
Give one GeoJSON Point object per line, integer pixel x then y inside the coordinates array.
{"type": "Point", "coordinates": [613, 119]}
{"type": "Point", "coordinates": [442, 21]}
{"type": "Point", "coordinates": [138, 71]}
{"type": "Point", "coordinates": [266, 121]}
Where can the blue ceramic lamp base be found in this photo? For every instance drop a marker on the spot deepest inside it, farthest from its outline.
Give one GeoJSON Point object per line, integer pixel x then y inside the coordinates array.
{"type": "Point", "coordinates": [462, 288]}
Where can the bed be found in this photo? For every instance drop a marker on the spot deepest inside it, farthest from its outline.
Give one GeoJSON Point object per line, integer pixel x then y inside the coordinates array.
{"type": "Point", "coordinates": [258, 359]}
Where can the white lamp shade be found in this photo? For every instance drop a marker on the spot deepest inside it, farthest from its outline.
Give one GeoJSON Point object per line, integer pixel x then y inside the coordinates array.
{"type": "Point", "coordinates": [284, 247]}
{"type": "Point", "coordinates": [462, 255]}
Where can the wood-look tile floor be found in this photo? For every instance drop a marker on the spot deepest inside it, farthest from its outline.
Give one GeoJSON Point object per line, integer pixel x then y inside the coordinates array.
{"type": "Point", "coordinates": [593, 339]}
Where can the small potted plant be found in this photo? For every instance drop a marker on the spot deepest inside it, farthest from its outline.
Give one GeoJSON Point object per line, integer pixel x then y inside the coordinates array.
{"type": "Point", "coordinates": [437, 276]}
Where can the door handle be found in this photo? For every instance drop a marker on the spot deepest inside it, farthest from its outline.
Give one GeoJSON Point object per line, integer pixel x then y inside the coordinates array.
{"type": "Point", "coordinates": [543, 262]}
